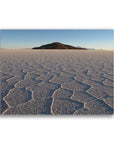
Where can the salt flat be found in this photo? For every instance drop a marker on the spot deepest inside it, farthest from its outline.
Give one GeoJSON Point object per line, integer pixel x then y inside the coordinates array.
{"type": "Point", "coordinates": [56, 82]}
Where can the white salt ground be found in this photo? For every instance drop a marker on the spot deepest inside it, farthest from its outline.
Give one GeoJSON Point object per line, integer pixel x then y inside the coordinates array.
{"type": "Point", "coordinates": [56, 82]}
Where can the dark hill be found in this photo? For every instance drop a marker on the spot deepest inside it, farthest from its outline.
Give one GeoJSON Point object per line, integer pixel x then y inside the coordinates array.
{"type": "Point", "coordinates": [57, 45]}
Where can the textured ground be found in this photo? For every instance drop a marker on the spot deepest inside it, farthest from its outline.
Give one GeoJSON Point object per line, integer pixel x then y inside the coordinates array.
{"type": "Point", "coordinates": [56, 82]}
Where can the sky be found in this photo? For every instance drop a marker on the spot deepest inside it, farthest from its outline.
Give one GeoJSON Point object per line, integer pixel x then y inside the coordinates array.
{"type": "Point", "coordinates": [91, 39]}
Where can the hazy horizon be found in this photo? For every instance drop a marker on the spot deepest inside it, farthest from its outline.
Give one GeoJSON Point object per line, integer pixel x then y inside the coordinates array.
{"type": "Point", "coordinates": [27, 39]}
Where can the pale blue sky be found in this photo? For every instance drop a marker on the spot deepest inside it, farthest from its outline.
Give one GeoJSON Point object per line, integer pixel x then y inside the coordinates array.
{"type": "Point", "coordinates": [20, 39]}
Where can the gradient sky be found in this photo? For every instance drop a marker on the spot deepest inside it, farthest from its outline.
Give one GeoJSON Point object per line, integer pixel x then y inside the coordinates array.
{"type": "Point", "coordinates": [20, 39]}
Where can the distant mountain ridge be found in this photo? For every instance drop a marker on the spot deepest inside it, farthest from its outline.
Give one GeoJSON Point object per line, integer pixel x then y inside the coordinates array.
{"type": "Point", "coordinates": [58, 45]}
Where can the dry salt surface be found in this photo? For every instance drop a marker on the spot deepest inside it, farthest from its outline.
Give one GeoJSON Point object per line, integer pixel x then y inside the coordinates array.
{"type": "Point", "coordinates": [56, 82]}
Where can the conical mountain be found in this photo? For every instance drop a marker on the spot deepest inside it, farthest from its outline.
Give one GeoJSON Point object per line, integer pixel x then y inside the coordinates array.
{"type": "Point", "coordinates": [58, 45]}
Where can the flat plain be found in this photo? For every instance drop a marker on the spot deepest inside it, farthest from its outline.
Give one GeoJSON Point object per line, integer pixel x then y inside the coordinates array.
{"type": "Point", "coordinates": [69, 82]}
